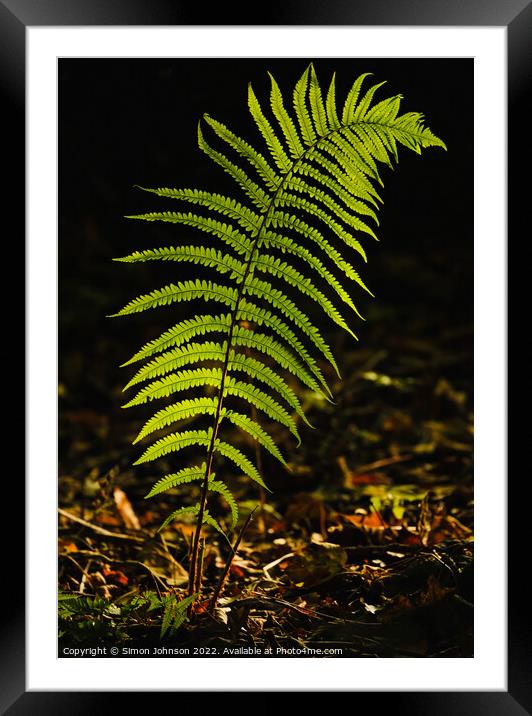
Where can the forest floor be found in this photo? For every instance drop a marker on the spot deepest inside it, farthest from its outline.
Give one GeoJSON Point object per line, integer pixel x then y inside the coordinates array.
{"type": "Point", "coordinates": [366, 546]}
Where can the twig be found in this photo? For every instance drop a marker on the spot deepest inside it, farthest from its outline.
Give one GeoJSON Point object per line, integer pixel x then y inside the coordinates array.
{"type": "Point", "coordinates": [381, 463]}
{"type": "Point", "coordinates": [84, 572]}
{"type": "Point", "coordinates": [100, 530]}
{"type": "Point", "coordinates": [126, 562]}
{"type": "Point", "coordinates": [228, 563]}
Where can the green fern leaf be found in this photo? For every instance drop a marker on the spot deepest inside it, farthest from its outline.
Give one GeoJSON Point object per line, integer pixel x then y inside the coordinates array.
{"type": "Point", "coordinates": [274, 349]}
{"type": "Point", "coordinates": [285, 120]}
{"type": "Point", "coordinates": [364, 104]}
{"type": "Point", "coordinates": [302, 187]}
{"type": "Point", "coordinates": [285, 221]}
{"type": "Point", "coordinates": [259, 197]}
{"type": "Point", "coordinates": [330, 185]}
{"type": "Point", "coordinates": [354, 156]}
{"type": "Point", "coordinates": [176, 412]}
{"type": "Point", "coordinates": [262, 401]}
{"type": "Point", "coordinates": [180, 512]}
{"type": "Point", "coordinates": [330, 105]}
{"type": "Point", "coordinates": [245, 150]}
{"type": "Point", "coordinates": [316, 104]}
{"type": "Point", "coordinates": [258, 371]}
{"type": "Point", "coordinates": [285, 244]}
{"type": "Point", "coordinates": [183, 477]}
{"type": "Point", "coordinates": [300, 106]}
{"type": "Point", "coordinates": [180, 613]}
{"type": "Point", "coordinates": [248, 311]}
{"type": "Point", "coordinates": [351, 99]}
{"type": "Point", "coordinates": [275, 267]}
{"type": "Point", "coordinates": [211, 258]}
{"type": "Point", "coordinates": [303, 204]}
{"type": "Point", "coordinates": [182, 333]}
{"type": "Point", "coordinates": [274, 145]}
{"type": "Point", "coordinates": [227, 233]}
{"type": "Point", "coordinates": [177, 358]}
{"type": "Point", "coordinates": [222, 489]}
{"type": "Point", "coordinates": [185, 291]}
{"type": "Point", "coordinates": [244, 463]}
{"type": "Point", "coordinates": [208, 519]}
{"type": "Point", "coordinates": [257, 433]}
{"type": "Point", "coordinates": [284, 305]}
{"type": "Point", "coordinates": [245, 217]}
{"type": "Point", "coordinates": [177, 382]}
{"type": "Point", "coordinates": [174, 443]}
{"type": "Point", "coordinates": [345, 171]}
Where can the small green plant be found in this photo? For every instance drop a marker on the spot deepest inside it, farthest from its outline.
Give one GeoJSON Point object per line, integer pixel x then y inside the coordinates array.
{"type": "Point", "coordinates": [289, 246]}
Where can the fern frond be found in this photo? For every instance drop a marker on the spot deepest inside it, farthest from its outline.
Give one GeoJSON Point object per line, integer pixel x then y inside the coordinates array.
{"type": "Point", "coordinates": [176, 382]}
{"type": "Point", "coordinates": [300, 106]}
{"type": "Point", "coordinates": [285, 120]}
{"type": "Point", "coordinates": [352, 97]}
{"type": "Point", "coordinates": [222, 489]}
{"type": "Point", "coordinates": [266, 129]}
{"type": "Point", "coordinates": [181, 612]}
{"type": "Point", "coordinates": [176, 412]}
{"type": "Point", "coordinates": [227, 233]}
{"type": "Point", "coordinates": [347, 174]}
{"type": "Point", "coordinates": [248, 311]}
{"type": "Point", "coordinates": [287, 245]}
{"type": "Point", "coordinates": [183, 477]}
{"type": "Point", "coordinates": [317, 107]}
{"type": "Point", "coordinates": [372, 144]}
{"type": "Point", "coordinates": [247, 218]}
{"type": "Point", "coordinates": [174, 443]}
{"type": "Point", "coordinates": [181, 512]}
{"type": "Point", "coordinates": [245, 150]}
{"type": "Point", "coordinates": [262, 401]}
{"type": "Point", "coordinates": [185, 291]}
{"type": "Point", "coordinates": [330, 105]}
{"type": "Point", "coordinates": [182, 333]}
{"type": "Point", "coordinates": [354, 156]}
{"type": "Point", "coordinates": [258, 371]}
{"type": "Point", "coordinates": [282, 303]}
{"type": "Point", "coordinates": [210, 258]}
{"type": "Point", "coordinates": [274, 266]}
{"type": "Point", "coordinates": [303, 204]}
{"type": "Point", "coordinates": [364, 104]}
{"type": "Point", "coordinates": [271, 347]}
{"type": "Point", "coordinates": [332, 186]}
{"type": "Point", "coordinates": [208, 519]}
{"type": "Point", "coordinates": [257, 432]}
{"type": "Point", "coordinates": [385, 111]}
{"type": "Point", "coordinates": [259, 197]}
{"type": "Point", "coordinates": [286, 221]}
{"type": "Point", "coordinates": [177, 358]}
{"type": "Point", "coordinates": [244, 463]}
{"type": "Point", "coordinates": [322, 165]}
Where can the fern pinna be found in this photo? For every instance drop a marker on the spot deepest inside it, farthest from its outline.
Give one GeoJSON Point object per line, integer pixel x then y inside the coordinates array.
{"type": "Point", "coordinates": [311, 198]}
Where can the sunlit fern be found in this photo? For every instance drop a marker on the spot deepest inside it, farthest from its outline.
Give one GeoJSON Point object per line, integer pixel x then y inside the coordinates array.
{"type": "Point", "coordinates": [311, 199]}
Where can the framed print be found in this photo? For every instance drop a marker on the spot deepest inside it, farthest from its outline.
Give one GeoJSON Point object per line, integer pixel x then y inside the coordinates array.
{"type": "Point", "coordinates": [308, 525]}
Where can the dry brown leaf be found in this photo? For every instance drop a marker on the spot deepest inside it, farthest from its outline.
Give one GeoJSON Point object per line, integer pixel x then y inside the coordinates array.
{"type": "Point", "coordinates": [125, 509]}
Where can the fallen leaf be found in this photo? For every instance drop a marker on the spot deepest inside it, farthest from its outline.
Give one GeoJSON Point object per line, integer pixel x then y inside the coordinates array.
{"type": "Point", "coordinates": [125, 509]}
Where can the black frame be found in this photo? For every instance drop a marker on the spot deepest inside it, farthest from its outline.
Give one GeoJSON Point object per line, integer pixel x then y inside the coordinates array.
{"type": "Point", "coordinates": [516, 16]}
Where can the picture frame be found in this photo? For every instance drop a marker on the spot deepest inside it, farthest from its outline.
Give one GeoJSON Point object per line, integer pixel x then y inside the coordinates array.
{"type": "Point", "coordinates": [15, 17]}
